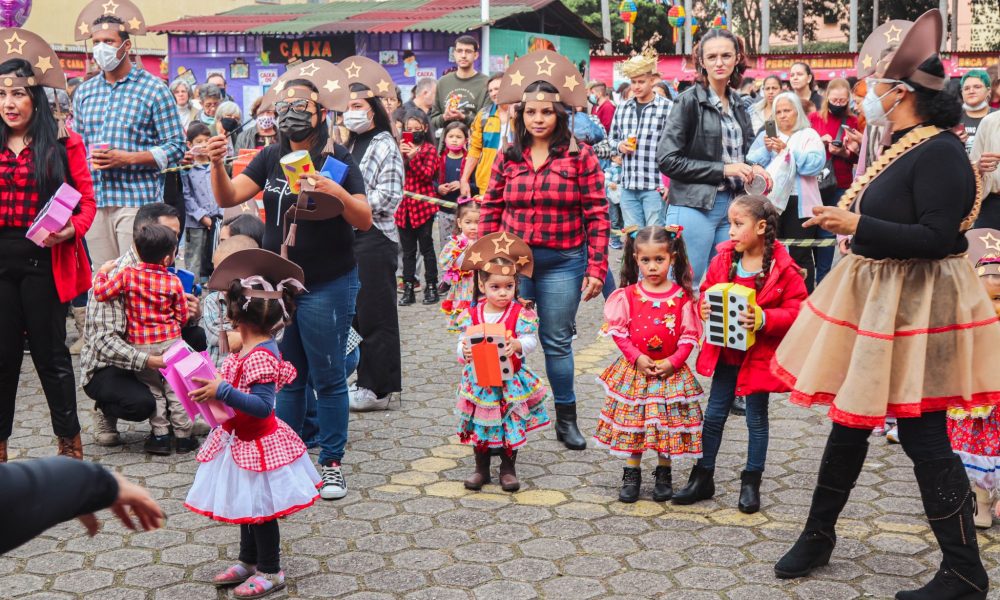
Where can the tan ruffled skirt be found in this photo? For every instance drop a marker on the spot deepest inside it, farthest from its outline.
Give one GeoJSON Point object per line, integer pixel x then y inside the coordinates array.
{"type": "Point", "coordinates": [893, 337]}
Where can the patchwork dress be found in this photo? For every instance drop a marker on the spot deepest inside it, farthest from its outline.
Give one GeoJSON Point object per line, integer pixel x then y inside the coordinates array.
{"type": "Point", "coordinates": [459, 297]}
{"type": "Point", "coordinates": [642, 413]}
{"type": "Point", "coordinates": [253, 470]}
{"type": "Point", "coordinates": [500, 417]}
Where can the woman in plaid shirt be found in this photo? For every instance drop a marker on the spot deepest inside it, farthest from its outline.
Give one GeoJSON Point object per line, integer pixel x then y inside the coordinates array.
{"type": "Point", "coordinates": [550, 193]}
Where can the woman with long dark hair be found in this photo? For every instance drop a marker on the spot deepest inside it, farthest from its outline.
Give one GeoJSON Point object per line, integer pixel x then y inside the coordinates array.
{"type": "Point", "coordinates": [38, 278]}
{"type": "Point", "coordinates": [704, 146]}
{"type": "Point", "coordinates": [901, 326]}
{"type": "Point", "coordinates": [316, 340]}
{"type": "Point", "coordinates": [803, 82]}
{"type": "Point", "coordinates": [550, 192]}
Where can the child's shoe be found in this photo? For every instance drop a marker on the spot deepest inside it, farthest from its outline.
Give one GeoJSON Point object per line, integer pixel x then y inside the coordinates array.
{"type": "Point", "coordinates": [237, 573]}
{"type": "Point", "coordinates": [616, 243]}
{"type": "Point", "coordinates": [631, 480]}
{"type": "Point", "coordinates": [508, 476]}
{"type": "Point", "coordinates": [186, 444]}
{"type": "Point", "coordinates": [663, 488]}
{"type": "Point", "coordinates": [260, 585]}
{"type": "Point", "coordinates": [481, 476]}
{"type": "Point", "coordinates": [983, 516]}
{"type": "Point", "coordinates": [892, 435]}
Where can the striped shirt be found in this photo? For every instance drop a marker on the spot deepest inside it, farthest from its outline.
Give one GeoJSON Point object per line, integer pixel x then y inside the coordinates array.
{"type": "Point", "coordinates": [135, 114]}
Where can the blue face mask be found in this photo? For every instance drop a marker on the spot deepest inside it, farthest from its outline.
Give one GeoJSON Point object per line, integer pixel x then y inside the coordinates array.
{"type": "Point", "coordinates": [592, 99]}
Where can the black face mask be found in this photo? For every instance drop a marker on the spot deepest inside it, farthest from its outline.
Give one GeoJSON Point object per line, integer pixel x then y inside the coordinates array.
{"type": "Point", "coordinates": [229, 124]}
{"type": "Point", "coordinates": [838, 111]}
{"type": "Point", "coordinates": [296, 126]}
{"type": "Point", "coordinates": [419, 137]}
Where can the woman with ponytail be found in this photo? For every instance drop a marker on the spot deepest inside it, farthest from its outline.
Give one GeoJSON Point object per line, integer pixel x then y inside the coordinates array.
{"type": "Point", "coordinates": [753, 258]}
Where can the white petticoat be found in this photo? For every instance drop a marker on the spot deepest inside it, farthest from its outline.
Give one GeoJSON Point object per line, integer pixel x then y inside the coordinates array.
{"type": "Point", "coordinates": [225, 492]}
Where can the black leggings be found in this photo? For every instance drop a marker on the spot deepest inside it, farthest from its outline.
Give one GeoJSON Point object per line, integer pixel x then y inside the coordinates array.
{"type": "Point", "coordinates": [923, 438]}
{"type": "Point", "coordinates": [261, 545]}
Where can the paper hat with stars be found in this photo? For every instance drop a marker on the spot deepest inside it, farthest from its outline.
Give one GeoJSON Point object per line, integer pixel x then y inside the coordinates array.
{"type": "Point", "coordinates": [329, 79]}
{"type": "Point", "coordinates": [984, 251]}
{"type": "Point", "coordinates": [21, 43]}
{"type": "Point", "coordinates": [479, 256]}
{"type": "Point", "coordinates": [921, 42]}
{"type": "Point", "coordinates": [367, 72]}
{"type": "Point", "coordinates": [550, 67]}
{"type": "Point", "coordinates": [885, 38]}
{"type": "Point", "coordinates": [124, 10]}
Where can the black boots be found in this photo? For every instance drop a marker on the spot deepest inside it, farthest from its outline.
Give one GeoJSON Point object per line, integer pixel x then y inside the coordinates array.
{"type": "Point", "coordinates": [749, 491]}
{"type": "Point", "coordinates": [566, 430]}
{"type": "Point", "coordinates": [631, 480]}
{"type": "Point", "coordinates": [663, 488]}
{"type": "Point", "coordinates": [948, 502]}
{"type": "Point", "coordinates": [481, 476]}
{"type": "Point", "coordinates": [508, 476]}
{"type": "Point", "coordinates": [431, 295]}
{"type": "Point", "coordinates": [700, 486]}
{"type": "Point", "coordinates": [409, 296]}
{"type": "Point", "coordinates": [838, 472]}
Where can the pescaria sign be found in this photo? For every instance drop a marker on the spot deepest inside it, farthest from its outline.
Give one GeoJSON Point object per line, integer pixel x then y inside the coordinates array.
{"type": "Point", "coordinates": [333, 48]}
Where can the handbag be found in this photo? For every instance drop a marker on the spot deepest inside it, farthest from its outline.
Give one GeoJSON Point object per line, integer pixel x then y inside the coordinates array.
{"type": "Point", "coordinates": [828, 180]}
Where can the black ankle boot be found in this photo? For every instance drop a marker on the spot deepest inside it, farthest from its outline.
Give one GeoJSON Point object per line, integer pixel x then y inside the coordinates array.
{"type": "Point", "coordinates": [949, 504]}
{"type": "Point", "coordinates": [408, 297]}
{"type": "Point", "coordinates": [749, 492]}
{"type": "Point", "coordinates": [566, 430]}
{"type": "Point", "coordinates": [838, 472]}
{"type": "Point", "coordinates": [700, 486]}
{"type": "Point", "coordinates": [663, 488]}
{"type": "Point", "coordinates": [431, 295]}
{"type": "Point", "coordinates": [631, 480]}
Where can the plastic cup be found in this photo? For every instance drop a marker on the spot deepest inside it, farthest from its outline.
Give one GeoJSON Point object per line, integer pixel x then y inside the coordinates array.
{"type": "Point", "coordinates": [760, 185]}
{"type": "Point", "coordinates": [297, 165]}
{"type": "Point", "coordinates": [633, 141]}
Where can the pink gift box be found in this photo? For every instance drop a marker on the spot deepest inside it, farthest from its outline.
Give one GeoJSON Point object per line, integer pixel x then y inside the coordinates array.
{"type": "Point", "coordinates": [55, 215]}
{"type": "Point", "coordinates": [183, 365]}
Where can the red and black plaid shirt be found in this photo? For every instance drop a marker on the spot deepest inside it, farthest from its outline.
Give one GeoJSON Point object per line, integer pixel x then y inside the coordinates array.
{"type": "Point", "coordinates": [155, 307]}
{"type": "Point", "coordinates": [559, 206]}
{"type": "Point", "coordinates": [18, 190]}
{"type": "Point", "coordinates": [421, 178]}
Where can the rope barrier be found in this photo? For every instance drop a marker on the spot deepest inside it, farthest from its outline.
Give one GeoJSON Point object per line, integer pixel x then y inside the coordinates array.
{"type": "Point", "coordinates": [431, 200]}
{"type": "Point", "coordinates": [227, 160]}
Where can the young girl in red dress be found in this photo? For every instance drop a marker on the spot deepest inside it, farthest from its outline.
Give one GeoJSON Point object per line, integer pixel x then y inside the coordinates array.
{"type": "Point", "coordinates": [652, 396]}
{"type": "Point", "coordinates": [254, 468]}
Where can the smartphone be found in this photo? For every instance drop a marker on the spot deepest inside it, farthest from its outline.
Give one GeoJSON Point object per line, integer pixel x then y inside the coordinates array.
{"type": "Point", "coordinates": [771, 129]}
{"type": "Point", "coordinates": [837, 143]}
{"type": "Point", "coordinates": [408, 137]}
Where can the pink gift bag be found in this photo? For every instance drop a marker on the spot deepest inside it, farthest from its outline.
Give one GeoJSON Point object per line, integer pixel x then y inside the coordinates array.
{"type": "Point", "coordinates": [55, 215]}
{"type": "Point", "coordinates": [183, 365]}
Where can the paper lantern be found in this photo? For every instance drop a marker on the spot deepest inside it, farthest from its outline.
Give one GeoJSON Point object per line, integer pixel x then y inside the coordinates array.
{"type": "Point", "coordinates": [13, 13]}
{"type": "Point", "coordinates": [675, 16]}
{"type": "Point", "coordinates": [627, 10]}
{"type": "Point", "coordinates": [694, 25]}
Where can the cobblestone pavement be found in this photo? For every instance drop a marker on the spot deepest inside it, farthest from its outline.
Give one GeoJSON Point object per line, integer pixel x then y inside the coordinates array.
{"type": "Point", "coordinates": [408, 529]}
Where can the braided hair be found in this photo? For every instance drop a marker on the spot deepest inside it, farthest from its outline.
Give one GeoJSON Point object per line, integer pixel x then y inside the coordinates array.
{"type": "Point", "coordinates": [760, 209]}
{"type": "Point", "coordinates": [680, 266]}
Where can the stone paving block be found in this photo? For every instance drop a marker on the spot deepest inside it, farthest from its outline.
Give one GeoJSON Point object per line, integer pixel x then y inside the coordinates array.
{"type": "Point", "coordinates": [573, 587]}
{"type": "Point", "coordinates": [528, 569]}
{"type": "Point", "coordinates": [505, 590]}
{"type": "Point", "coordinates": [153, 576]}
{"type": "Point", "coordinates": [83, 581]}
{"type": "Point", "coordinates": [18, 584]}
{"type": "Point", "coordinates": [464, 575]}
{"type": "Point", "coordinates": [395, 580]}
{"type": "Point", "coordinates": [55, 562]}
{"type": "Point", "coordinates": [547, 548]}
{"type": "Point", "coordinates": [642, 583]}
{"type": "Point", "coordinates": [325, 586]}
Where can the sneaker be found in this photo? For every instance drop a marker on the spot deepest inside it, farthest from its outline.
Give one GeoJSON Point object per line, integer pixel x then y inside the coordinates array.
{"type": "Point", "coordinates": [188, 444]}
{"type": "Point", "coordinates": [616, 244]}
{"type": "Point", "coordinates": [892, 435]}
{"type": "Point", "coordinates": [158, 445]}
{"type": "Point", "coordinates": [334, 485]}
{"type": "Point", "coordinates": [106, 429]}
{"type": "Point", "coordinates": [443, 287]}
{"type": "Point", "coordinates": [364, 400]}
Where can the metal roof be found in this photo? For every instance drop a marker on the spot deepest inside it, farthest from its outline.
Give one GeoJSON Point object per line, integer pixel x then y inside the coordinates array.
{"type": "Point", "coordinates": [389, 16]}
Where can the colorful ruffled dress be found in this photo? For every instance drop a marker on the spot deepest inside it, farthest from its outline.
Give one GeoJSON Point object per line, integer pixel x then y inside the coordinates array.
{"type": "Point", "coordinates": [253, 470]}
{"type": "Point", "coordinates": [642, 413]}
{"type": "Point", "coordinates": [459, 297]}
{"type": "Point", "coordinates": [500, 417]}
{"type": "Point", "coordinates": [975, 438]}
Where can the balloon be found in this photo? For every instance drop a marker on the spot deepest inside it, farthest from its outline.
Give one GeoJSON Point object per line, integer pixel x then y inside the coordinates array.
{"type": "Point", "coordinates": [13, 13]}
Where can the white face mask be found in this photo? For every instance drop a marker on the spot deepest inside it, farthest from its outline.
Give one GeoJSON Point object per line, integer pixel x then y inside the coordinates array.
{"type": "Point", "coordinates": [872, 105]}
{"type": "Point", "coordinates": [265, 122]}
{"type": "Point", "coordinates": [357, 121]}
{"type": "Point", "coordinates": [106, 56]}
{"type": "Point", "coordinates": [981, 106]}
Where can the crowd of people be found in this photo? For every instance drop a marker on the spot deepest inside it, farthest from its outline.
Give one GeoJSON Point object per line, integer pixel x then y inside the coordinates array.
{"type": "Point", "coordinates": [500, 198]}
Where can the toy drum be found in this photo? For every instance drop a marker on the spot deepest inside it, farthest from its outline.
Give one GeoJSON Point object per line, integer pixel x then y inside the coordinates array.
{"type": "Point", "coordinates": [297, 165]}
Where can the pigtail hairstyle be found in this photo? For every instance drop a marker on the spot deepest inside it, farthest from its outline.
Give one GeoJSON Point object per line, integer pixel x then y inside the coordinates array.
{"type": "Point", "coordinates": [680, 266]}
{"type": "Point", "coordinates": [484, 276]}
{"type": "Point", "coordinates": [760, 209]}
{"type": "Point", "coordinates": [629, 274]}
{"type": "Point", "coordinates": [263, 314]}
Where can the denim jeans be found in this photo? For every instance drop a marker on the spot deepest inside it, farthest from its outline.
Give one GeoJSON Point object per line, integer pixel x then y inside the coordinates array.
{"type": "Point", "coordinates": [642, 207]}
{"type": "Point", "coordinates": [704, 229]}
{"type": "Point", "coordinates": [615, 216]}
{"type": "Point", "coordinates": [314, 343]}
{"type": "Point", "coordinates": [720, 400]}
{"type": "Point", "coordinates": [555, 288]}
{"type": "Point", "coordinates": [824, 256]}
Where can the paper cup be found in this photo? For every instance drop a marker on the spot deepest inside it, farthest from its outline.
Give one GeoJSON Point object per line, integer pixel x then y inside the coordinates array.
{"type": "Point", "coordinates": [296, 165]}
{"type": "Point", "coordinates": [760, 185]}
{"type": "Point", "coordinates": [633, 141]}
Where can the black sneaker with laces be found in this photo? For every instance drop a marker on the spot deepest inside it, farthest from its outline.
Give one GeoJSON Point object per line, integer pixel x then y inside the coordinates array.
{"type": "Point", "coordinates": [188, 444]}
{"type": "Point", "coordinates": [159, 445]}
{"type": "Point", "coordinates": [334, 485]}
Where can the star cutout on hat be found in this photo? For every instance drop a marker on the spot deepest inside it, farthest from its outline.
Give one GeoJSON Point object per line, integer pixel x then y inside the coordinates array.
{"type": "Point", "coordinates": [475, 257]}
{"type": "Point", "coordinates": [44, 64]}
{"type": "Point", "coordinates": [892, 34]}
{"type": "Point", "coordinates": [522, 260]}
{"type": "Point", "coordinates": [353, 71]}
{"type": "Point", "coordinates": [134, 23]}
{"type": "Point", "coordinates": [547, 68]}
{"type": "Point", "coordinates": [866, 62]}
{"type": "Point", "coordinates": [383, 86]}
{"type": "Point", "coordinates": [991, 242]}
{"type": "Point", "coordinates": [571, 82]}
{"type": "Point", "coordinates": [331, 85]}
{"type": "Point", "coordinates": [12, 41]}
{"type": "Point", "coordinates": [502, 244]}
{"type": "Point", "coordinates": [83, 28]}
{"type": "Point", "coordinates": [309, 70]}
{"type": "Point", "coordinates": [109, 7]}
{"type": "Point", "coordinates": [516, 78]}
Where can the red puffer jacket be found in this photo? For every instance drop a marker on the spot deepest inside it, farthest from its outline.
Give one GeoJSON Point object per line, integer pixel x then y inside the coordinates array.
{"type": "Point", "coordinates": [70, 267]}
{"type": "Point", "coordinates": [783, 292]}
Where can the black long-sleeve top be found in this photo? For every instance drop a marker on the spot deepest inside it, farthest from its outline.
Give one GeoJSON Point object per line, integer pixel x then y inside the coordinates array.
{"type": "Point", "coordinates": [37, 494]}
{"type": "Point", "coordinates": [914, 208]}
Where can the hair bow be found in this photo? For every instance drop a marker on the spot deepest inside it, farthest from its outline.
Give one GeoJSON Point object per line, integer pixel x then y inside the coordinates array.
{"type": "Point", "coordinates": [269, 292]}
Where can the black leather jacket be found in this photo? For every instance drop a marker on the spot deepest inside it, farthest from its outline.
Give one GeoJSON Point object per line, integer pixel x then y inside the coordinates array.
{"type": "Point", "coordinates": [690, 150]}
